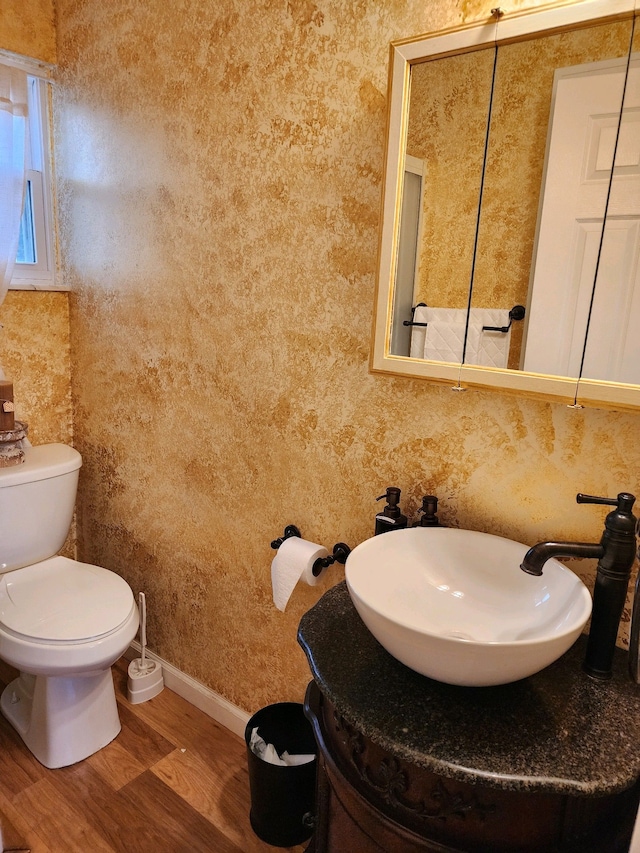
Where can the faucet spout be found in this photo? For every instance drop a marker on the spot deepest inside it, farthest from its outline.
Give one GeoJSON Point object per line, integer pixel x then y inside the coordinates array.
{"type": "Point", "coordinates": [536, 557]}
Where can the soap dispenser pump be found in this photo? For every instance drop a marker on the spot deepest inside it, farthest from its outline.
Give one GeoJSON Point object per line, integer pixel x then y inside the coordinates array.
{"type": "Point", "coordinates": [429, 509]}
{"type": "Point", "coordinates": [391, 517]}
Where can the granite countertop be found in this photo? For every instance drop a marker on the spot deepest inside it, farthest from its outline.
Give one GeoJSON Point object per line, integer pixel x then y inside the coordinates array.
{"type": "Point", "coordinates": [557, 731]}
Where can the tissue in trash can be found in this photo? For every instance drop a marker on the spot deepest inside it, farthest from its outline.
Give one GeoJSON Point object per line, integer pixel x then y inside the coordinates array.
{"type": "Point", "coordinates": [267, 752]}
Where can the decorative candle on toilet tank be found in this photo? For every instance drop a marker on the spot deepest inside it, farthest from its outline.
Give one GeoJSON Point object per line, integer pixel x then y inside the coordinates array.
{"type": "Point", "coordinates": [12, 432]}
{"type": "Point", "coordinates": [7, 408]}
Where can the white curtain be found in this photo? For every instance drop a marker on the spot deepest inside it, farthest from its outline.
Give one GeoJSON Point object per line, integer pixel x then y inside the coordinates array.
{"type": "Point", "coordinates": [13, 121]}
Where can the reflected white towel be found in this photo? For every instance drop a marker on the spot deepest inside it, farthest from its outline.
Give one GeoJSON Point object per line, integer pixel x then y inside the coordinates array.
{"type": "Point", "coordinates": [444, 336]}
{"type": "Point", "coordinates": [418, 332]}
{"type": "Point", "coordinates": [490, 349]}
{"type": "Point", "coordinates": [444, 340]}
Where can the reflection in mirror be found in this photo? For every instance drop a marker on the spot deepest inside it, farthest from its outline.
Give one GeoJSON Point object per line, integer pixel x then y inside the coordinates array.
{"type": "Point", "coordinates": [405, 325]}
{"type": "Point", "coordinates": [612, 348]}
{"type": "Point", "coordinates": [509, 269]}
{"type": "Point", "coordinates": [446, 136]}
{"type": "Point", "coordinates": [447, 127]}
{"type": "Point", "coordinates": [552, 93]}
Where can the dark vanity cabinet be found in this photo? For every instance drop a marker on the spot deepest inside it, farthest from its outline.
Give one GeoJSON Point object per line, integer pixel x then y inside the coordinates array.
{"type": "Point", "coordinates": [547, 765]}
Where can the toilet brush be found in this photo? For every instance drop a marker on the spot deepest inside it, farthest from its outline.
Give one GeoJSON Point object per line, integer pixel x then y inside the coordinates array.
{"type": "Point", "coordinates": [145, 676]}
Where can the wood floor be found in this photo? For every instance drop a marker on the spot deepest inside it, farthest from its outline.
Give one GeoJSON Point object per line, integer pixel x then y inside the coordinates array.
{"type": "Point", "coordinates": [173, 781]}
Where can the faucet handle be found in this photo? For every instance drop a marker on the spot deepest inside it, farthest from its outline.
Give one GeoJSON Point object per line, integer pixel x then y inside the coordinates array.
{"type": "Point", "coordinates": [591, 499]}
{"type": "Point", "coordinates": [621, 520]}
{"type": "Point", "coordinates": [624, 501]}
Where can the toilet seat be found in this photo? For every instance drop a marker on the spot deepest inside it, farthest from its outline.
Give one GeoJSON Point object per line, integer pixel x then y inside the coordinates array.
{"type": "Point", "coordinates": [63, 601]}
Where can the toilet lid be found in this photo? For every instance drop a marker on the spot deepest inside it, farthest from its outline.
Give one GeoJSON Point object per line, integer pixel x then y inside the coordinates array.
{"type": "Point", "coordinates": [61, 600]}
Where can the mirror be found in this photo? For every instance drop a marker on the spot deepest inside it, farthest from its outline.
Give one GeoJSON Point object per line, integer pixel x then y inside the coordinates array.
{"type": "Point", "coordinates": [471, 227]}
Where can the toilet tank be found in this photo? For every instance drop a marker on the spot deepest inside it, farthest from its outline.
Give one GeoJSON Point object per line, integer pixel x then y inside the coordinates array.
{"type": "Point", "coordinates": [37, 499]}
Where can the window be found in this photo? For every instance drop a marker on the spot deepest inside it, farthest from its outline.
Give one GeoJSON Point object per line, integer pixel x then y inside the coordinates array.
{"type": "Point", "coordinates": [35, 261]}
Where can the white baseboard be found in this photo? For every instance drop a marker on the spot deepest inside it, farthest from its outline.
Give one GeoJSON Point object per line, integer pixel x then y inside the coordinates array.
{"type": "Point", "coordinates": [207, 700]}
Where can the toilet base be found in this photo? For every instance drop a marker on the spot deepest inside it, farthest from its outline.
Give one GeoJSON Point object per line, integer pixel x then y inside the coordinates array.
{"type": "Point", "coordinates": [62, 719]}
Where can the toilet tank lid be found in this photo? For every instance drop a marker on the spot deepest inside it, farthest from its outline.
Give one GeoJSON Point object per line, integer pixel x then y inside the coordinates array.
{"type": "Point", "coordinates": [41, 463]}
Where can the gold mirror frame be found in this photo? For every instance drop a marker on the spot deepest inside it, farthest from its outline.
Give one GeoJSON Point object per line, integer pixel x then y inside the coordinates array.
{"type": "Point", "coordinates": [403, 54]}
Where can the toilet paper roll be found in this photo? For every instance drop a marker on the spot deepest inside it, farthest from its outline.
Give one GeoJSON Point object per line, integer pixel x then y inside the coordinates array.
{"type": "Point", "coordinates": [294, 562]}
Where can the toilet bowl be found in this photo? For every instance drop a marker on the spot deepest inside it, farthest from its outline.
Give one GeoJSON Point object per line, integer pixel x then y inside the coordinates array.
{"type": "Point", "coordinates": [63, 623]}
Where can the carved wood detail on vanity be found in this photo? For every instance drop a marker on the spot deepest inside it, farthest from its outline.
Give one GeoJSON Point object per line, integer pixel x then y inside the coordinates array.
{"type": "Point", "coordinates": [370, 800]}
{"type": "Point", "coordinates": [390, 779]}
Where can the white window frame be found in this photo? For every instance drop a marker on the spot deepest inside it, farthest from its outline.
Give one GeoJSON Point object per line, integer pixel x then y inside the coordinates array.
{"type": "Point", "coordinates": [43, 274]}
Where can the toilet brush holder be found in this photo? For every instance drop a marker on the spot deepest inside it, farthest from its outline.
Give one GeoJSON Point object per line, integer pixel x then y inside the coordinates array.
{"type": "Point", "coordinates": [145, 676]}
{"type": "Point", "coordinates": [145, 680]}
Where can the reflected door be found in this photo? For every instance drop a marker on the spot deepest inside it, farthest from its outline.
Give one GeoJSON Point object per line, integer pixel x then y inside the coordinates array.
{"type": "Point", "coordinates": [612, 350]}
{"type": "Point", "coordinates": [408, 242]}
{"type": "Point", "coordinates": [580, 154]}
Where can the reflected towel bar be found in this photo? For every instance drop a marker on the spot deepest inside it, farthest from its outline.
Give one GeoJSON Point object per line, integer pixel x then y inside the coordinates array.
{"type": "Point", "coordinates": [413, 313]}
{"type": "Point", "coordinates": [516, 313]}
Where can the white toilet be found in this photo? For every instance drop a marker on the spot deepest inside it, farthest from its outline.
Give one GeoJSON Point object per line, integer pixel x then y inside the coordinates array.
{"type": "Point", "coordinates": [62, 623]}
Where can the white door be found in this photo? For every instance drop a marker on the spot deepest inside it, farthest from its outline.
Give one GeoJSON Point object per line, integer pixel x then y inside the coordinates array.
{"type": "Point", "coordinates": [579, 157]}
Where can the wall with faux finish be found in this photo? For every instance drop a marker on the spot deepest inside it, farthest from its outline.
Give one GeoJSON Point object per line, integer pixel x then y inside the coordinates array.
{"type": "Point", "coordinates": [28, 27]}
{"type": "Point", "coordinates": [34, 340]}
{"type": "Point", "coordinates": [34, 352]}
{"type": "Point", "coordinates": [220, 169]}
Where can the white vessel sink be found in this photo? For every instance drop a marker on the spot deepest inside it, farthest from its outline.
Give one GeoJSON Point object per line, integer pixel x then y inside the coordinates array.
{"type": "Point", "coordinates": [454, 605]}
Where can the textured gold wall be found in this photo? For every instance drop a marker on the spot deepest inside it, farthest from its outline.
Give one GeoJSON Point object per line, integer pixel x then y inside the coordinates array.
{"type": "Point", "coordinates": [219, 170]}
{"type": "Point", "coordinates": [34, 352]}
{"type": "Point", "coordinates": [28, 27]}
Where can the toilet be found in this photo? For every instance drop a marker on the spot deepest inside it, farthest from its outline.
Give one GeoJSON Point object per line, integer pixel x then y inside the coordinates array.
{"type": "Point", "coordinates": [62, 623]}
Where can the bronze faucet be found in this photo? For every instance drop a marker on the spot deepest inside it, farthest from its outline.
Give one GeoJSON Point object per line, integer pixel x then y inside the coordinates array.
{"type": "Point", "coordinates": [615, 552]}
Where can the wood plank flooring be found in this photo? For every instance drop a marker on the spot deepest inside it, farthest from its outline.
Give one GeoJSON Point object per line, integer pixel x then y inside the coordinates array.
{"type": "Point", "coordinates": [173, 781]}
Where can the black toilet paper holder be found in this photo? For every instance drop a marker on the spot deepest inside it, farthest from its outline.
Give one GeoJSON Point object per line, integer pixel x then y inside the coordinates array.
{"type": "Point", "coordinates": [340, 550]}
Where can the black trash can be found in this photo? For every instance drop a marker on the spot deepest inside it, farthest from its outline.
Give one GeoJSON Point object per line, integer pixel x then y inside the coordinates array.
{"type": "Point", "coordinates": [282, 798]}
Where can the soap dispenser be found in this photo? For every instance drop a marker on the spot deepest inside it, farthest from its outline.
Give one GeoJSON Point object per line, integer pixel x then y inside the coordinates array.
{"type": "Point", "coordinates": [429, 509]}
{"type": "Point", "coordinates": [390, 518]}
